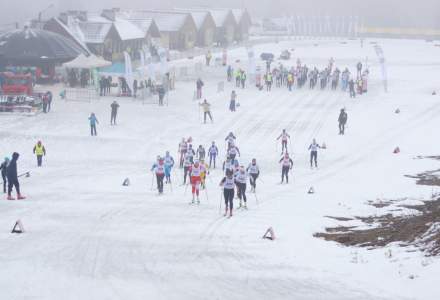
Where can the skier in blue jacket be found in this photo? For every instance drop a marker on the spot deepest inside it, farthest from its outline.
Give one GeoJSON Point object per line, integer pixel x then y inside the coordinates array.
{"type": "Point", "coordinates": [169, 163]}
{"type": "Point", "coordinates": [93, 121]}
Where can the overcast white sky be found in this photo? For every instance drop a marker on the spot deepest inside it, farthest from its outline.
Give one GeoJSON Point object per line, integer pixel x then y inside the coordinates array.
{"type": "Point", "coordinates": [424, 13]}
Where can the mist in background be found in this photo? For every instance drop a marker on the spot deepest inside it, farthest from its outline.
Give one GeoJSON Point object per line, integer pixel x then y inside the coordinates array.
{"type": "Point", "coordinates": [396, 13]}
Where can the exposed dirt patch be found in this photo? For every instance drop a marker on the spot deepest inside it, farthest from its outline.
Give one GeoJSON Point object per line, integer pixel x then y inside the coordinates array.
{"type": "Point", "coordinates": [419, 228]}
{"type": "Point", "coordinates": [339, 218]}
{"type": "Point", "coordinates": [430, 178]}
{"type": "Point", "coordinates": [379, 203]}
{"type": "Point", "coordinates": [436, 157]}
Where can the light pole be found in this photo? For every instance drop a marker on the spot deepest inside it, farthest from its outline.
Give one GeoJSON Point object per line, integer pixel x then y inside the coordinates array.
{"type": "Point", "coordinates": [43, 11]}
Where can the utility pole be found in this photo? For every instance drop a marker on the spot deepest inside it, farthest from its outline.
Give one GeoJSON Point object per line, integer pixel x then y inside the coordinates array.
{"type": "Point", "coordinates": [41, 13]}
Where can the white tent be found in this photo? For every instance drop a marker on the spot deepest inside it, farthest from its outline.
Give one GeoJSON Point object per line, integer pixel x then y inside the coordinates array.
{"type": "Point", "coordinates": [87, 62]}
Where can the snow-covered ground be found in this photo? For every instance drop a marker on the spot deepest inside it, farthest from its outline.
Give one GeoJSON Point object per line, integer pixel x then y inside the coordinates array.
{"type": "Point", "coordinates": [88, 237]}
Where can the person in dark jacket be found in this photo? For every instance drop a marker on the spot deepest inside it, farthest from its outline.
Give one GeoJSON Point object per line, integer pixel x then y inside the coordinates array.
{"type": "Point", "coordinates": [49, 100]}
{"type": "Point", "coordinates": [3, 167]}
{"type": "Point", "coordinates": [135, 88]}
{"type": "Point", "coordinates": [199, 86]}
{"type": "Point", "coordinates": [342, 121]}
{"type": "Point", "coordinates": [114, 113]}
{"type": "Point", "coordinates": [351, 87]}
{"type": "Point", "coordinates": [11, 172]}
{"type": "Point", "coordinates": [161, 93]}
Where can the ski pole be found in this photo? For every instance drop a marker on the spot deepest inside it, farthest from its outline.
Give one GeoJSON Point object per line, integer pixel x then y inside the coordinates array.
{"type": "Point", "coordinates": [206, 192]}
{"type": "Point", "coordinates": [26, 174]}
{"type": "Point", "coordinates": [256, 198]}
{"type": "Point", "coordinates": [152, 181]}
{"type": "Point", "coordinates": [186, 186]}
{"type": "Point", "coordinates": [220, 207]}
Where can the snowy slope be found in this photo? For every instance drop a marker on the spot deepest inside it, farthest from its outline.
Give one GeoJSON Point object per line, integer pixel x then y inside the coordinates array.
{"type": "Point", "coordinates": [90, 238]}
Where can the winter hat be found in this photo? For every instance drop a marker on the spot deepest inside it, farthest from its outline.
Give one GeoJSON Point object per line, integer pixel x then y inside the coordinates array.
{"type": "Point", "coordinates": [6, 159]}
{"type": "Point", "coordinates": [15, 155]}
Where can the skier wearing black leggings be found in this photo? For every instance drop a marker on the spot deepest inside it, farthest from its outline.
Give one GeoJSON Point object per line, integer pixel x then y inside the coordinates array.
{"type": "Point", "coordinates": [254, 172]}
{"type": "Point", "coordinates": [314, 153]}
{"type": "Point", "coordinates": [240, 181]}
{"type": "Point", "coordinates": [228, 184]}
{"type": "Point", "coordinates": [287, 165]}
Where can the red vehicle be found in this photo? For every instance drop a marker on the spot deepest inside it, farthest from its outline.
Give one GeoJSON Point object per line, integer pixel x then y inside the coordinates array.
{"type": "Point", "coordinates": [16, 84]}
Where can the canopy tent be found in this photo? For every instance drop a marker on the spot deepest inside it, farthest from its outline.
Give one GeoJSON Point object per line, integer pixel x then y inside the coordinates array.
{"type": "Point", "coordinates": [87, 62]}
{"type": "Point", "coordinates": [35, 47]}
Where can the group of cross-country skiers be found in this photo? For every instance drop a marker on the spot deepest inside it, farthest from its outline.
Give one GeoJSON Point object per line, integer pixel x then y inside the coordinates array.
{"type": "Point", "coordinates": [301, 75]}
{"type": "Point", "coordinates": [196, 164]}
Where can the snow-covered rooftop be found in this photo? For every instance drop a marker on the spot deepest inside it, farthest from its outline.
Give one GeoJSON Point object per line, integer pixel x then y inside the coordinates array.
{"type": "Point", "coordinates": [165, 20]}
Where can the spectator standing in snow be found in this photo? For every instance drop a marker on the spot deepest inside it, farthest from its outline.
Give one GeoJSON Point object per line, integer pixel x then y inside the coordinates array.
{"type": "Point", "coordinates": [49, 100]}
{"type": "Point", "coordinates": [12, 175]}
{"type": "Point", "coordinates": [161, 94]}
{"type": "Point", "coordinates": [232, 102]}
{"type": "Point", "coordinates": [199, 86]}
{"type": "Point", "coordinates": [93, 121]}
{"type": "Point", "coordinates": [342, 121]}
{"type": "Point", "coordinates": [39, 151]}
{"type": "Point", "coordinates": [229, 73]}
{"type": "Point", "coordinates": [135, 88]}
{"type": "Point", "coordinates": [3, 168]}
{"type": "Point", "coordinates": [114, 106]}
{"type": "Point", "coordinates": [359, 69]}
{"type": "Point", "coordinates": [351, 88]}
{"type": "Point", "coordinates": [45, 101]}
{"type": "Point", "coordinates": [243, 79]}
{"type": "Point", "coordinates": [208, 58]}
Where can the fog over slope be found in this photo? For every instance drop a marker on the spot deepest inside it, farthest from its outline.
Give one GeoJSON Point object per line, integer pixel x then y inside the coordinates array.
{"type": "Point", "coordinates": [421, 13]}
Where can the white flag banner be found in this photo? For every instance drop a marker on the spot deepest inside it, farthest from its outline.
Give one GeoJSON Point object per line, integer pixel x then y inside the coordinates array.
{"type": "Point", "coordinates": [380, 55]}
{"type": "Point", "coordinates": [128, 70]}
{"type": "Point", "coordinates": [252, 63]}
{"type": "Point", "coordinates": [164, 66]}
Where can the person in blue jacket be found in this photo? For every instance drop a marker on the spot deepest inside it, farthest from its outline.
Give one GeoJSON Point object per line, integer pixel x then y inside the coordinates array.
{"type": "Point", "coordinates": [93, 121]}
{"type": "Point", "coordinates": [169, 163]}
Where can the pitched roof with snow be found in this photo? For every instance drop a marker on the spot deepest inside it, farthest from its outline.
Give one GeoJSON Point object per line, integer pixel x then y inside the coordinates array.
{"type": "Point", "coordinates": [165, 20]}
{"type": "Point", "coordinates": [219, 15]}
{"type": "Point", "coordinates": [199, 17]}
{"type": "Point", "coordinates": [127, 30]}
{"type": "Point", "coordinates": [74, 33]}
{"type": "Point", "coordinates": [94, 32]}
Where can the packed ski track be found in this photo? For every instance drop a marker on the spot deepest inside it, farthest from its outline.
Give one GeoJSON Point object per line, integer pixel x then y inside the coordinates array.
{"type": "Point", "coordinates": [89, 237]}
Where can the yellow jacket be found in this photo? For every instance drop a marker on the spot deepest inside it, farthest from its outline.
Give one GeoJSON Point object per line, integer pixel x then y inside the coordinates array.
{"type": "Point", "coordinates": [39, 149]}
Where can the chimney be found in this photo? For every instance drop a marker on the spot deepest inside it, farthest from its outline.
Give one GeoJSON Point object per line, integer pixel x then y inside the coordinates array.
{"type": "Point", "coordinates": [82, 15]}
{"type": "Point", "coordinates": [109, 14]}
{"type": "Point", "coordinates": [63, 18]}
